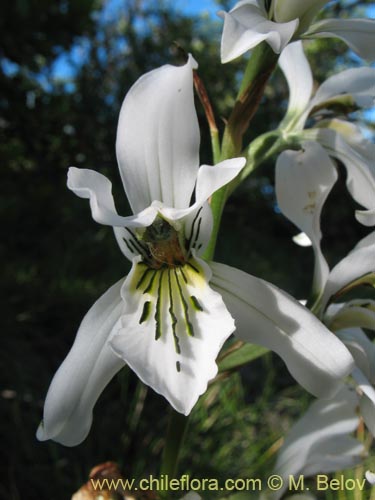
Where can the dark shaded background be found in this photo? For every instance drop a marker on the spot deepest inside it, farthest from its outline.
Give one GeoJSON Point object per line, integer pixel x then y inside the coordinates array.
{"type": "Point", "coordinates": [57, 260]}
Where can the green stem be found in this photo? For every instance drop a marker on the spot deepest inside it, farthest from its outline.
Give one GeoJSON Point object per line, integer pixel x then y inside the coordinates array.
{"type": "Point", "coordinates": [176, 431]}
{"type": "Point", "coordinates": [215, 143]}
{"type": "Point", "coordinates": [257, 73]}
{"type": "Point", "coordinates": [259, 68]}
{"type": "Point", "coordinates": [218, 200]}
{"type": "Point", "coordinates": [262, 57]}
{"type": "Point", "coordinates": [262, 148]}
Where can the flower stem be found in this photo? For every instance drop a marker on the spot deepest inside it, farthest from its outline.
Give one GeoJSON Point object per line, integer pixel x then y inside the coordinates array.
{"type": "Point", "coordinates": [258, 71]}
{"type": "Point", "coordinates": [259, 68]}
{"type": "Point", "coordinates": [260, 150]}
{"type": "Point", "coordinates": [176, 431]}
{"type": "Point", "coordinates": [217, 203]}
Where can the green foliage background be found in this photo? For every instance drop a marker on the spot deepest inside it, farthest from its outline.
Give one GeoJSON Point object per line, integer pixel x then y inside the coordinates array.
{"type": "Point", "coordinates": [57, 261]}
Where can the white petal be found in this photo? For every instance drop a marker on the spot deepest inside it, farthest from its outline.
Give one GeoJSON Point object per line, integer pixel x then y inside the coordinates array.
{"type": "Point", "coordinates": [350, 131]}
{"type": "Point", "coordinates": [297, 71]}
{"type": "Point", "coordinates": [285, 10]}
{"type": "Point", "coordinates": [360, 312]}
{"type": "Point", "coordinates": [362, 350]}
{"type": "Point", "coordinates": [370, 476]}
{"type": "Point", "coordinates": [337, 453]}
{"type": "Point", "coordinates": [209, 179]}
{"type": "Point", "coordinates": [359, 262]}
{"type": "Point", "coordinates": [304, 180]}
{"type": "Point", "coordinates": [367, 400]}
{"type": "Point", "coordinates": [198, 228]}
{"type": "Point", "coordinates": [366, 217]}
{"type": "Point", "coordinates": [356, 82]}
{"type": "Point", "coordinates": [246, 25]}
{"type": "Point", "coordinates": [83, 375]}
{"type": "Point", "coordinates": [97, 188]}
{"type": "Point", "coordinates": [181, 361]}
{"type": "Point", "coordinates": [302, 240]}
{"type": "Point", "coordinates": [319, 435]}
{"type": "Point", "coordinates": [359, 163]}
{"type": "Point", "coordinates": [269, 317]}
{"type": "Point", "coordinates": [358, 34]}
{"type": "Point", "coordinates": [158, 138]}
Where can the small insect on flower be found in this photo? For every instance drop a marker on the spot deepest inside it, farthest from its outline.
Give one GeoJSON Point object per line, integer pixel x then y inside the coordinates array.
{"type": "Point", "coordinates": [165, 244]}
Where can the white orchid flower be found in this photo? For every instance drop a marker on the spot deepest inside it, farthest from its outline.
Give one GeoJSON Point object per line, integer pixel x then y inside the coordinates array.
{"type": "Point", "coordinates": [169, 318]}
{"type": "Point", "coordinates": [341, 141]}
{"type": "Point", "coordinates": [250, 22]}
{"type": "Point", "coordinates": [303, 180]}
{"type": "Point", "coordinates": [321, 441]}
{"type": "Point", "coordinates": [357, 85]}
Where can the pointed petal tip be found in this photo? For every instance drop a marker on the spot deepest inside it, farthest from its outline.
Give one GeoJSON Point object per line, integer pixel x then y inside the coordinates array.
{"type": "Point", "coordinates": [192, 61]}
{"type": "Point", "coordinates": [40, 433]}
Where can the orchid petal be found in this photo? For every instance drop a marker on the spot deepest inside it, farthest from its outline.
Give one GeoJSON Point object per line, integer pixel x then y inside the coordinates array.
{"type": "Point", "coordinates": [357, 160]}
{"type": "Point", "coordinates": [246, 25]}
{"type": "Point", "coordinates": [356, 82]}
{"type": "Point", "coordinates": [269, 317]}
{"type": "Point", "coordinates": [362, 350]}
{"type": "Point", "coordinates": [350, 131]}
{"type": "Point", "coordinates": [297, 71]}
{"type": "Point", "coordinates": [304, 180]}
{"type": "Point", "coordinates": [209, 180]}
{"type": "Point", "coordinates": [358, 34]}
{"type": "Point", "coordinates": [97, 188]}
{"type": "Point", "coordinates": [158, 138]}
{"type": "Point", "coordinates": [337, 453]}
{"type": "Point", "coordinates": [173, 328]}
{"type": "Point", "coordinates": [366, 217]}
{"type": "Point", "coordinates": [359, 262]}
{"type": "Point", "coordinates": [317, 441]}
{"type": "Point", "coordinates": [285, 10]}
{"type": "Point", "coordinates": [367, 400]}
{"type": "Point", "coordinates": [360, 312]}
{"type": "Point", "coordinates": [367, 408]}
{"type": "Point", "coordinates": [81, 378]}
